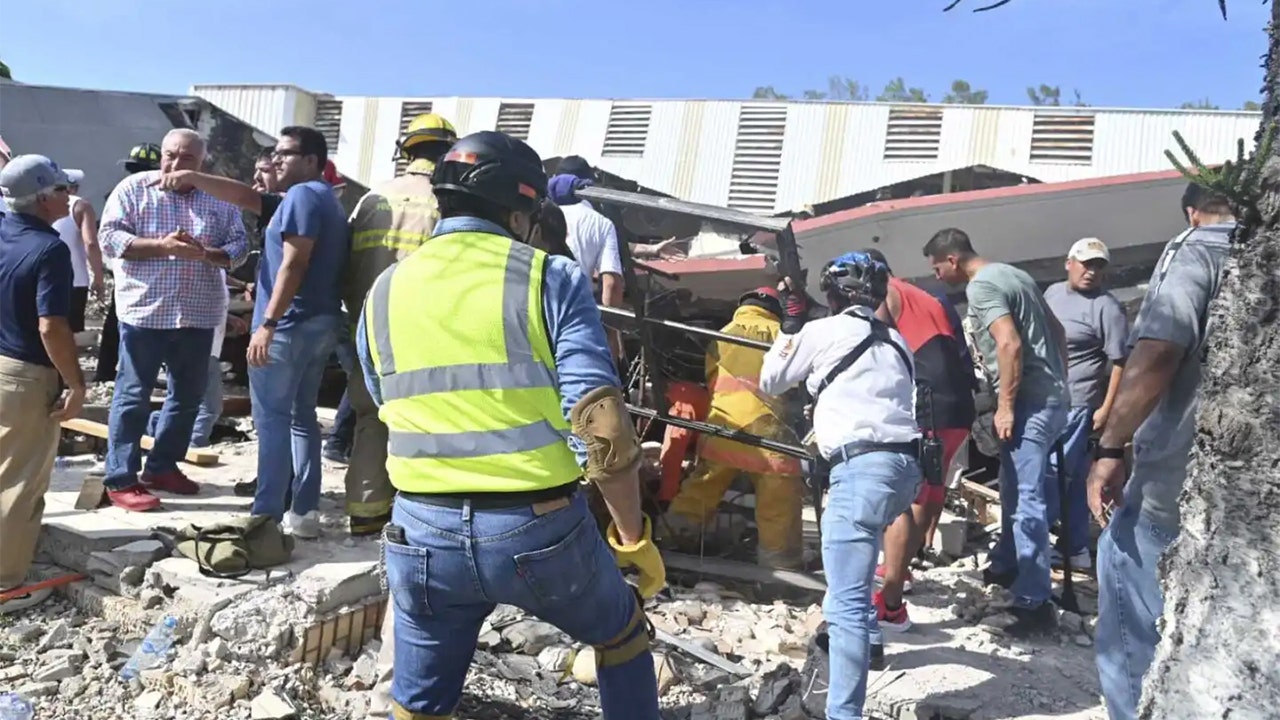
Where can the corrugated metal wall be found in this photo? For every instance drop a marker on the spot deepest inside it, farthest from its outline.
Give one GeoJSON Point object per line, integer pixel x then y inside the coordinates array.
{"type": "Point", "coordinates": [829, 150]}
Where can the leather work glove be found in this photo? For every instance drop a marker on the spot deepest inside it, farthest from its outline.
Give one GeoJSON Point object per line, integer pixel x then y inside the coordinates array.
{"type": "Point", "coordinates": [643, 556]}
{"type": "Point", "coordinates": [796, 305]}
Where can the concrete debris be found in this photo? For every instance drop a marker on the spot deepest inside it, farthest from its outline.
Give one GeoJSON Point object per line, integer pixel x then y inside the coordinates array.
{"type": "Point", "coordinates": [722, 651]}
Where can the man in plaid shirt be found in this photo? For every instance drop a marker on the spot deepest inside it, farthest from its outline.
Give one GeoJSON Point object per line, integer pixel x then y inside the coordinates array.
{"type": "Point", "coordinates": [170, 296]}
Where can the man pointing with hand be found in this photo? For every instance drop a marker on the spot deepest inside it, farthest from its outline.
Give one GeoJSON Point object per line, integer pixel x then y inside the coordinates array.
{"type": "Point", "coordinates": [170, 295]}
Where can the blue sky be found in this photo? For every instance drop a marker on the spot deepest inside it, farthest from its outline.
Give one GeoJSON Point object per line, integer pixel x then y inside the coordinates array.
{"type": "Point", "coordinates": [1127, 53]}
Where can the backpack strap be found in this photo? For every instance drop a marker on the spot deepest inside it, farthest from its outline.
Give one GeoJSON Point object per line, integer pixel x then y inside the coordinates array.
{"type": "Point", "coordinates": [879, 333]}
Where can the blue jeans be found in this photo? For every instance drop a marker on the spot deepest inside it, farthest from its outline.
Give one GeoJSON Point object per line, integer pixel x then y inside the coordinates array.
{"type": "Point", "coordinates": [1129, 604]}
{"type": "Point", "coordinates": [185, 353]}
{"type": "Point", "coordinates": [284, 394]}
{"type": "Point", "coordinates": [867, 493]}
{"type": "Point", "coordinates": [457, 563]}
{"type": "Point", "coordinates": [1024, 528]}
{"type": "Point", "coordinates": [210, 408]}
{"type": "Point", "coordinates": [1075, 453]}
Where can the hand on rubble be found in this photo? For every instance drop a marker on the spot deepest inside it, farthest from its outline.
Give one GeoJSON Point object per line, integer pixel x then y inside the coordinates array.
{"type": "Point", "coordinates": [642, 555]}
{"type": "Point", "coordinates": [72, 402]}
{"type": "Point", "coordinates": [1106, 488]}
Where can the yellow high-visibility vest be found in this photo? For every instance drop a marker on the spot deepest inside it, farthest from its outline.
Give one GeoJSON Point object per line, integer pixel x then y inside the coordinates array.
{"type": "Point", "coordinates": [457, 334]}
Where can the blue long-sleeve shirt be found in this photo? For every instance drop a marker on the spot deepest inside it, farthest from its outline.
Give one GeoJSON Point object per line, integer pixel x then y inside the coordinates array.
{"type": "Point", "coordinates": [582, 356]}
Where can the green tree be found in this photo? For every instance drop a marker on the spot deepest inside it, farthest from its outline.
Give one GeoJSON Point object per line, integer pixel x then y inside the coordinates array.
{"type": "Point", "coordinates": [897, 91]}
{"type": "Point", "coordinates": [1051, 96]}
{"type": "Point", "coordinates": [766, 92]}
{"type": "Point", "coordinates": [963, 94]}
{"type": "Point", "coordinates": [843, 88]}
{"type": "Point", "coordinates": [1251, 106]}
{"type": "Point", "coordinates": [1219, 578]}
{"type": "Point", "coordinates": [4, 71]}
{"type": "Point", "coordinates": [1202, 104]}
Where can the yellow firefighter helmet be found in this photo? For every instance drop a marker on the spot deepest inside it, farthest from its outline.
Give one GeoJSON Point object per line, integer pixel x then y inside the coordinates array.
{"type": "Point", "coordinates": [424, 130]}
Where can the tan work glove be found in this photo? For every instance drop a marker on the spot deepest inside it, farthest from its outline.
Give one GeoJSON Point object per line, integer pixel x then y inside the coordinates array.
{"type": "Point", "coordinates": [643, 556]}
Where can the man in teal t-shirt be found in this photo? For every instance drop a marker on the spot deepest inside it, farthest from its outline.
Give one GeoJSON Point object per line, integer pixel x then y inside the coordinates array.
{"type": "Point", "coordinates": [1022, 348]}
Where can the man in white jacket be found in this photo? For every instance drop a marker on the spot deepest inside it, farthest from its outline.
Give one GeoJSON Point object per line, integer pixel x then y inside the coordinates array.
{"type": "Point", "coordinates": [859, 373]}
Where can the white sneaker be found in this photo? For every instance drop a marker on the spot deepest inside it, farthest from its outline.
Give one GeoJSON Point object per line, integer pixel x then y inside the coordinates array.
{"type": "Point", "coordinates": [304, 527]}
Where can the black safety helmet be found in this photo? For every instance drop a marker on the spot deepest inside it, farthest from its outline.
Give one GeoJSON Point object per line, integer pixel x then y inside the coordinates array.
{"type": "Point", "coordinates": [142, 158]}
{"type": "Point", "coordinates": [856, 278]}
{"type": "Point", "coordinates": [494, 167]}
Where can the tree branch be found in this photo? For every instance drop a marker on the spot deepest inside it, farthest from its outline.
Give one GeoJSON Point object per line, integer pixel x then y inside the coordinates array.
{"type": "Point", "coordinates": [1222, 6]}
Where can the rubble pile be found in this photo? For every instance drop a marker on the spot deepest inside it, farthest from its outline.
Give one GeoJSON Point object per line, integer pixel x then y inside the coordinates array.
{"type": "Point", "coordinates": [719, 655]}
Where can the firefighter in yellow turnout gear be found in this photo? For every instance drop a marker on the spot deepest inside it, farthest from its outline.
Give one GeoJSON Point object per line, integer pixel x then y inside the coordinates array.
{"type": "Point", "coordinates": [490, 366]}
{"type": "Point", "coordinates": [733, 377]}
{"type": "Point", "coordinates": [388, 224]}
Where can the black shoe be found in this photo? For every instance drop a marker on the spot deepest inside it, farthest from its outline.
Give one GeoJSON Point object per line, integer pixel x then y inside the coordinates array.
{"type": "Point", "coordinates": [336, 453]}
{"type": "Point", "coordinates": [1039, 620]}
{"type": "Point", "coordinates": [877, 657]}
{"type": "Point", "coordinates": [1004, 580]}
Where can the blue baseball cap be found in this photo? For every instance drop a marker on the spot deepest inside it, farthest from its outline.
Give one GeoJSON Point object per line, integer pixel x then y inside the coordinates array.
{"type": "Point", "coordinates": [28, 175]}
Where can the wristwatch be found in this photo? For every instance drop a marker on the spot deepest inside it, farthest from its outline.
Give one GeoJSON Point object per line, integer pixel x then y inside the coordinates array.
{"type": "Point", "coordinates": [1108, 453]}
{"type": "Point", "coordinates": [270, 324]}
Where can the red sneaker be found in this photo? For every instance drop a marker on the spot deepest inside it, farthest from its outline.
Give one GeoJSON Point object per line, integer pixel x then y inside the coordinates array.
{"type": "Point", "coordinates": [892, 620]}
{"type": "Point", "coordinates": [134, 498]}
{"type": "Point", "coordinates": [906, 584]}
{"type": "Point", "coordinates": [172, 481]}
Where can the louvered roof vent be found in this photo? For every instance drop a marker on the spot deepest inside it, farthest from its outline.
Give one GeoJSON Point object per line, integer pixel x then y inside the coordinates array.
{"type": "Point", "coordinates": [328, 122]}
{"type": "Point", "coordinates": [757, 157]}
{"type": "Point", "coordinates": [514, 119]}
{"type": "Point", "coordinates": [409, 110]}
{"type": "Point", "coordinates": [1062, 137]}
{"type": "Point", "coordinates": [628, 130]}
{"type": "Point", "coordinates": [913, 134]}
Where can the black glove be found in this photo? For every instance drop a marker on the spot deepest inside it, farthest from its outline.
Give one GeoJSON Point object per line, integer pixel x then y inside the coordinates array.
{"type": "Point", "coordinates": [796, 307]}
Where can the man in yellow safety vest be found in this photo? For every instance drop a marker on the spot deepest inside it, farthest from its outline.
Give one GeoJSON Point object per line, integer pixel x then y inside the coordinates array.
{"type": "Point", "coordinates": [387, 225]}
{"type": "Point", "coordinates": [489, 363]}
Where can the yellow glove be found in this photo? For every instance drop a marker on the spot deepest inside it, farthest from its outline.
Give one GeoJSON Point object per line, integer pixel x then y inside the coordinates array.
{"type": "Point", "coordinates": [643, 556]}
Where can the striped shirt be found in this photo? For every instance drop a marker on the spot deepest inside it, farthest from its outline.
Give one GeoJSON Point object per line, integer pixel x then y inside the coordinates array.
{"type": "Point", "coordinates": [169, 293]}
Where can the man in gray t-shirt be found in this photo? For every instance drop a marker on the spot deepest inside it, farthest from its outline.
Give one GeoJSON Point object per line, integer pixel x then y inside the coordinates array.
{"type": "Point", "coordinates": [1097, 343]}
{"type": "Point", "coordinates": [1023, 349]}
{"type": "Point", "coordinates": [1155, 406]}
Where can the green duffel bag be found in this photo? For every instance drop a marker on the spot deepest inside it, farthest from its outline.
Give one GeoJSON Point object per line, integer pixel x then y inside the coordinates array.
{"type": "Point", "coordinates": [236, 547]}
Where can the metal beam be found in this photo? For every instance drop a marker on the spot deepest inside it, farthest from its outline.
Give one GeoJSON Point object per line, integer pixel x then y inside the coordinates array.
{"type": "Point", "coordinates": [745, 438]}
{"type": "Point", "coordinates": [693, 330]}
{"type": "Point", "coordinates": [711, 213]}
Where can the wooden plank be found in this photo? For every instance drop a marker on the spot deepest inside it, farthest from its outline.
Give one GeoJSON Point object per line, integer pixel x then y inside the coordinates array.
{"type": "Point", "coordinates": [748, 572]}
{"type": "Point", "coordinates": [97, 429]}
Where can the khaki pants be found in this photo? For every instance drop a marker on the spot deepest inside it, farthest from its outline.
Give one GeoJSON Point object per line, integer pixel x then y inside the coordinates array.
{"type": "Point", "coordinates": [28, 445]}
{"type": "Point", "coordinates": [369, 490]}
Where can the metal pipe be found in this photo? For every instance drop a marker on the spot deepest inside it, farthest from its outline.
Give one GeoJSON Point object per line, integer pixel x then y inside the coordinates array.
{"type": "Point", "coordinates": [724, 432]}
{"type": "Point", "coordinates": [713, 334]}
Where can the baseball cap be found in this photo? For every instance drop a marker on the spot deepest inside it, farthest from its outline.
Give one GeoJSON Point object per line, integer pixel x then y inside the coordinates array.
{"type": "Point", "coordinates": [74, 177]}
{"type": "Point", "coordinates": [1086, 249]}
{"type": "Point", "coordinates": [27, 175]}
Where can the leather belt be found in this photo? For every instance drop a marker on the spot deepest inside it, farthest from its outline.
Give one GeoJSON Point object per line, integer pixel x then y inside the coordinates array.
{"type": "Point", "coordinates": [852, 450]}
{"type": "Point", "coordinates": [495, 500]}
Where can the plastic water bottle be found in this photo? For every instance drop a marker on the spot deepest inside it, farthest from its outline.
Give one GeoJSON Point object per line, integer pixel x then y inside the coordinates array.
{"type": "Point", "coordinates": [15, 707]}
{"type": "Point", "coordinates": [153, 648]}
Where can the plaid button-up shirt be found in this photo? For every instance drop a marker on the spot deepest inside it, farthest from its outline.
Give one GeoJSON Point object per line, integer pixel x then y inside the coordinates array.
{"type": "Point", "coordinates": [169, 293]}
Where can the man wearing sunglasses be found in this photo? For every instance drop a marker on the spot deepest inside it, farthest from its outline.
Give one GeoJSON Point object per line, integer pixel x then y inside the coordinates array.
{"type": "Point", "coordinates": [37, 349]}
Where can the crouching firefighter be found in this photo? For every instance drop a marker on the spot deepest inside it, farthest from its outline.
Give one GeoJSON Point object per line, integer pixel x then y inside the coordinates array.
{"type": "Point", "coordinates": [860, 376]}
{"type": "Point", "coordinates": [488, 359]}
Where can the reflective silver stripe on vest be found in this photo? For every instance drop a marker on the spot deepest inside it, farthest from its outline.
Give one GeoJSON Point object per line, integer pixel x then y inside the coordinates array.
{"type": "Point", "coordinates": [521, 371]}
{"type": "Point", "coordinates": [476, 443]}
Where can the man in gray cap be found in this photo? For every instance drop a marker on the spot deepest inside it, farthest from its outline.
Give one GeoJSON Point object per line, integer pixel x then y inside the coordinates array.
{"type": "Point", "coordinates": [36, 347]}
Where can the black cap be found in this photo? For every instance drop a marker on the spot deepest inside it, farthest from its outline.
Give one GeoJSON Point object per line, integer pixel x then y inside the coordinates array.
{"type": "Point", "coordinates": [576, 166]}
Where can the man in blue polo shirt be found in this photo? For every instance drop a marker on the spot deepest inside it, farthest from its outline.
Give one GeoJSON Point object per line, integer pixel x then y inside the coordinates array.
{"type": "Point", "coordinates": [36, 347]}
